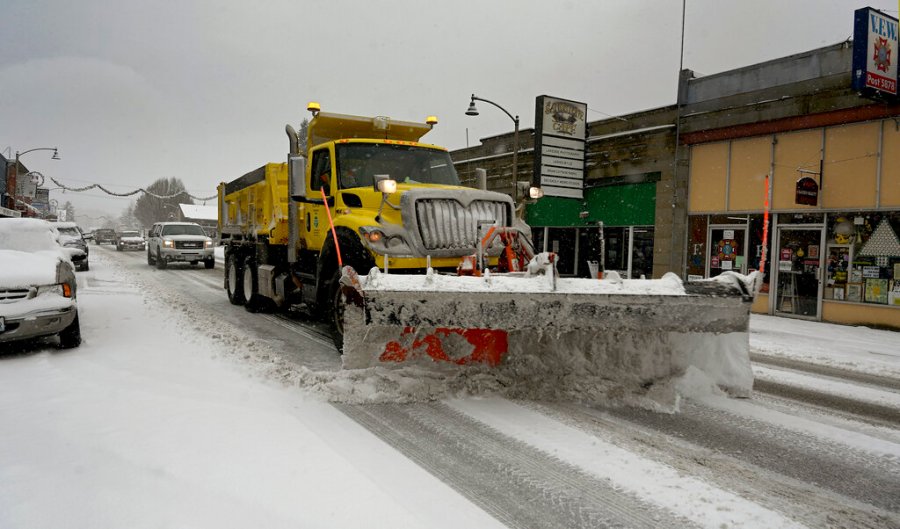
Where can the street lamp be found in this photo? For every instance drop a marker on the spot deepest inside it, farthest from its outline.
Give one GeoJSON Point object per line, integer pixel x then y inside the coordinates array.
{"type": "Point", "coordinates": [473, 111]}
{"type": "Point", "coordinates": [12, 183]}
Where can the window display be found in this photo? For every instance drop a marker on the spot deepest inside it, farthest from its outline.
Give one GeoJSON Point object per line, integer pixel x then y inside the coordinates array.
{"type": "Point", "coordinates": [863, 257]}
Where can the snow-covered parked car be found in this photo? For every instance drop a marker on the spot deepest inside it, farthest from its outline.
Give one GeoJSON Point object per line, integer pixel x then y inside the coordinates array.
{"type": "Point", "coordinates": [37, 283]}
{"type": "Point", "coordinates": [70, 236]}
{"type": "Point", "coordinates": [130, 240]}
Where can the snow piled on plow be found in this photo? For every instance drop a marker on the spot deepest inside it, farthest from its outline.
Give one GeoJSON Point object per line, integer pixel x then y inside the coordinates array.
{"type": "Point", "coordinates": [568, 339]}
{"type": "Point", "coordinates": [669, 285]}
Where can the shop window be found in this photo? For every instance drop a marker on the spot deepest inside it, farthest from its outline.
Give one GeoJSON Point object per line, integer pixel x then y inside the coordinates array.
{"type": "Point", "coordinates": [863, 258]}
{"type": "Point", "coordinates": [642, 253]}
{"type": "Point", "coordinates": [755, 248]}
{"type": "Point", "coordinates": [615, 253]}
{"type": "Point", "coordinates": [697, 225]}
{"type": "Point", "coordinates": [726, 250]}
{"type": "Point", "coordinates": [588, 249]}
{"type": "Point", "coordinates": [561, 241]}
{"type": "Point", "coordinates": [620, 245]}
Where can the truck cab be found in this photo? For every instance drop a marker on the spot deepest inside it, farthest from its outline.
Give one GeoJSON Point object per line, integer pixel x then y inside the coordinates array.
{"type": "Point", "coordinates": [363, 192]}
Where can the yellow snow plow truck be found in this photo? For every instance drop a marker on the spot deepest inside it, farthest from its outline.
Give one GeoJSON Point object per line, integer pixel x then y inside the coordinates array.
{"type": "Point", "coordinates": [370, 228]}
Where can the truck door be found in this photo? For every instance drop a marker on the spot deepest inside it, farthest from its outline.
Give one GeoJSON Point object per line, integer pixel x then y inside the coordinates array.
{"type": "Point", "coordinates": [321, 178]}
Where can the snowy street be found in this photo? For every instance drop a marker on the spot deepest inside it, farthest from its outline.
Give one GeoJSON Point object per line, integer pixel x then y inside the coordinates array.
{"type": "Point", "coordinates": [181, 410]}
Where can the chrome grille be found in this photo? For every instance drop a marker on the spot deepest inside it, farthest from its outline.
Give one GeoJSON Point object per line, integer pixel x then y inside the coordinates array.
{"type": "Point", "coordinates": [12, 295]}
{"type": "Point", "coordinates": [445, 224]}
{"type": "Point", "coordinates": [188, 245]}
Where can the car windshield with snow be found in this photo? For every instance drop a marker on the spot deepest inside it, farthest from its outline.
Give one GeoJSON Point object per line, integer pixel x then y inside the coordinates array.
{"type": "Point", "coordinates": [70, 236]}
{"type": "Point", "coordinates": [37, 284]}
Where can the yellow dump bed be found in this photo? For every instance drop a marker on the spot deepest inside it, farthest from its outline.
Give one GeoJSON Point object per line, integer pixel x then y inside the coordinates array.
{"type": "Point", "coordinates": [256, 204]}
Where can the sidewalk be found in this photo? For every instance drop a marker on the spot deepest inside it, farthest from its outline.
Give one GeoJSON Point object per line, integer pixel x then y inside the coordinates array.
{"type": "Point", "coordinates": [861, 349]}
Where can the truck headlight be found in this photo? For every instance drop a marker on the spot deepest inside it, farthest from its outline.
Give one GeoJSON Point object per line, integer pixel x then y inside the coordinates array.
{"type": "Point", "coordinates": [207, 244]}
{"type": "Point", "coordinates": [374, 236]}
{"type": "Point", "coordinates": [385, 184]}
{"type": "Point", "coordinates": [168, 244]}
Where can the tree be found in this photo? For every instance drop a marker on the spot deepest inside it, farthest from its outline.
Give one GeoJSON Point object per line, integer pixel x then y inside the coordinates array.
{"type": "Point", "coordinates": [302, 134]}
{"type": "Point", "coordinates": [160, 203]}
{"type": "Point", "coordinates": [127, 218]}
{"type": "Point", "coordinates": [69, 210]}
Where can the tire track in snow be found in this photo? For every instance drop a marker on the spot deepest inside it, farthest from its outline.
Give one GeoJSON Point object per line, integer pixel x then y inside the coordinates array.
{"type": "Point", "coordinates": [864, 477]}
{"type": "Point", "coordinates": [829, 371]}
{"type": "Point", "coordinates": [809, 504]}
{"type": "Point", "coordinates": [517, 484]}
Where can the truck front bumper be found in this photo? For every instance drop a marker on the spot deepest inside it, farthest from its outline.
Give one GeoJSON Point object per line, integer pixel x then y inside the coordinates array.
{"type": "Point", "coordinates": [170, 254]}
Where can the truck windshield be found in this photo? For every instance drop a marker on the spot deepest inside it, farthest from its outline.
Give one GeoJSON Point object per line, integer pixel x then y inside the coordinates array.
{"type": "Point", "coordinates": [357, 163]}
{"type": "Point", "coordinates": [182, 229]}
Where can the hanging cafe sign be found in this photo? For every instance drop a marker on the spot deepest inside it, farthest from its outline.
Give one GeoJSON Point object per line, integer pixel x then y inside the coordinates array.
{"type": "Point", "coordinates": [807, 193]}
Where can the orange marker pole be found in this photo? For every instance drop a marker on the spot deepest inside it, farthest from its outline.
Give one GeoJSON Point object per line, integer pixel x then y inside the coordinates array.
{"type": "Point", "coordinates": [765, 241]}
{"type": "Point", "coordinates": [333, 233]}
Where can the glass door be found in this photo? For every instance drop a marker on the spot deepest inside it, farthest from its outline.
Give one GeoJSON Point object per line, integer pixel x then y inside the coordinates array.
{"type": "Point", "coordinates": [797, 264]}
{"type": "Point", "coordinates": [727, 250]}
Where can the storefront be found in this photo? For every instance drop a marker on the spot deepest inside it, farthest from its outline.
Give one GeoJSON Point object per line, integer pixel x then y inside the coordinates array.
{"type": "Point", "coordinates": [572, 228]}
{"type": "Point", "coordinates": [833, 248]}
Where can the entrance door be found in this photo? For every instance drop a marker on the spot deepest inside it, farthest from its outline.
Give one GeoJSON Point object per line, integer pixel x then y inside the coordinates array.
{"type": "Point", "coordinates": [797, 263]}
{"type": "Point", "coordinates": [727, 249]}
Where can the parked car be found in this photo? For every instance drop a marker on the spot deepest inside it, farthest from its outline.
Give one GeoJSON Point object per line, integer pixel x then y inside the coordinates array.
{"type": "Point", "coordinates": [37, 283]}
{"type": "Point", "coordinates": [179, 241]}
{"type": "Point", "coordinates": [70, 236]}
{"type": "Point", "coordinates": [130, 240]}
{"type": "Point", "coordinates": [105, 236]}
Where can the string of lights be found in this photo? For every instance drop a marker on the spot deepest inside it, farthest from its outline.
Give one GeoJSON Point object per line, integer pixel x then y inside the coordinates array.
{"type": "Point", "coordinates": [128, 194]}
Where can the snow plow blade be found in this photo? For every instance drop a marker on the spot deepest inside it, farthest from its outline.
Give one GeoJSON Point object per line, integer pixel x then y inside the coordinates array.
{"type": "Point", "coordinates": [632, 331]}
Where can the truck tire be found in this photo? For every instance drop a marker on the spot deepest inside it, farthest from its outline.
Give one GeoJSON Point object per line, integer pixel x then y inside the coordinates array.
{"type": "Point", "coordinates": [336, 310]}
{"type": "Point", "coordinates": [209, 263]}
{"type": "Point", "coordinates": [70, 337]}
{"type": "Point", "coordinates": [234, 281]}
{"type": "Point", "coordinates": [253, 301]}
{"type": "Point", "coordinates": [150, 260]}
{"type": "Point", "coordinates": [160, 261]}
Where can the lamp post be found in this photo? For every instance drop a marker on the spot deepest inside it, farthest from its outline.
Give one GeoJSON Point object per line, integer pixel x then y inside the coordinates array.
{"type": "Point", "coordinates": [473, 111]}
{"type": "Point", "coordinates": [13, 181]}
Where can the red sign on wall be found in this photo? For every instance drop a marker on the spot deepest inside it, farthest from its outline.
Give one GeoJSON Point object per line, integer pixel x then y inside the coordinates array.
{"type": "Point", "coordinates": [807, 192]}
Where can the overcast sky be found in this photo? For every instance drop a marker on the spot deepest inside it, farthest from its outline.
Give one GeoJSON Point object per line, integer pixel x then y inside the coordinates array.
{"type": "Point", "coordinates": [132, 91]}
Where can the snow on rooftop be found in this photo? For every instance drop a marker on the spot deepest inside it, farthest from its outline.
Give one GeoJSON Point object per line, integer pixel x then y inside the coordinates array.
{"type": "Point", "coordinates": [199, 212]}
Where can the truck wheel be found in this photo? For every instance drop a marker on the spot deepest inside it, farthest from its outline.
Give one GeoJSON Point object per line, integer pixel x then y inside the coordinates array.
{"type": "Point", "coordinates": [160, 261]}
{"type": "Point", "coordinates": [336, 310]}
{"type": "Point", "coordinates": [251, 286]}
{"type": "Point", "coordinates": [70, 336]}
{"type": "Point", "coordinates": [234, 281]}
{"type": "Point", "coordinates": [150, 257]}
{"type": "Point", "coordinates": [209, 263]}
